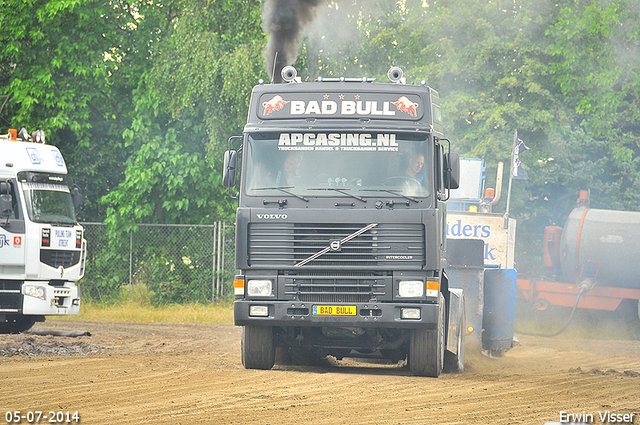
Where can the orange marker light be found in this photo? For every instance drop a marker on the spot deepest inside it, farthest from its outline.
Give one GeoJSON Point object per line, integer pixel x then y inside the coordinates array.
{"type": "Point", "coordinates": [238, 287]}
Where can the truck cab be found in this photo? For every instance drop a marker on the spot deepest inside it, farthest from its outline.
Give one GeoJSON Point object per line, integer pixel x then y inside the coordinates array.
{"type": "Point", "coordinates": [341, 224]}
{"type": "Point", "coordinates": [42, 247]}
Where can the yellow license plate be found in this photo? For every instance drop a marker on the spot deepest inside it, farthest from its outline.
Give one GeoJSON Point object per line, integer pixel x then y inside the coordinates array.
{"type": "Point", "coordinates": [334, 310]}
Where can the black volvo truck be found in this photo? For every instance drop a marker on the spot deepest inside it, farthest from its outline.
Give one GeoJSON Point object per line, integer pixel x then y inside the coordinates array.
{"type": "Point", "coordinates": [341, 225]}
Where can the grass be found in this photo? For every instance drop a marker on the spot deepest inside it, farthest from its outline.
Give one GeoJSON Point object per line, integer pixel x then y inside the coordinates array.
{"type": "Point", "coordinates": [131, 311]}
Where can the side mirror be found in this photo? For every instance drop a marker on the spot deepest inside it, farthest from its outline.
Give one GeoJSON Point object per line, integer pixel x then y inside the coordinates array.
{"type": "Point", "coordinates": [229, 171]}
{"type": "Point", "coordinates": [451, 170]}
{"type": "Point", "coordinates": [6, 200]}
{"type": "Point", "coordinates": [77, 197]}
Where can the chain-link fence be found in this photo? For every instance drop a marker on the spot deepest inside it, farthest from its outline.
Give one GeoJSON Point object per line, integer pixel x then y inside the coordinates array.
{"type": "Point", "coordinates": [163, 263]}
{"type": "Point", "coordinates": [192, 263]}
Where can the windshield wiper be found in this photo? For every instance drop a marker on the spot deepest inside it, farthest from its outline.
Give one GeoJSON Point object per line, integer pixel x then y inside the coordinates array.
{"type": "Point", "coordinates": [394, 192]}
{"type": "Point", "coordinates": [343, 191]}
{"type": "Point", "coordinates": [283, 189]}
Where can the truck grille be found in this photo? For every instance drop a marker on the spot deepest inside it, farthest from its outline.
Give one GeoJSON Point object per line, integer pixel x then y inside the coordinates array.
{"type": "Point", "coordinates": [55, 258]}
{"type": "Point", "coordinates": [283, 245]}
{"type": "Point", "coordinates": [337, 288]}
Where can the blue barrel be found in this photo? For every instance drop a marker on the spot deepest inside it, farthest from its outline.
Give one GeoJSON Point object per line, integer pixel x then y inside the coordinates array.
{"type": "Point", "coordinates": [499, 309]}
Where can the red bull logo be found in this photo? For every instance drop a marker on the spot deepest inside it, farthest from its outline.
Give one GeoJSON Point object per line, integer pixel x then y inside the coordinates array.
{"type": "Point", "coordinates": [405, 105]}
{"type": "Point", "coordinates": [275, 104]}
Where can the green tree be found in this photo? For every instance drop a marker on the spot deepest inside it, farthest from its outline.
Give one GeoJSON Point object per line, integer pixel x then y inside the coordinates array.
{"type": "Point", "coordinates": [597, 68]}
{"type": "Point", "coordinates": [564, 74]}
{"type": "Point", "coordinates": [69, 67]}
{"type": "Point", "coordinates": [193, 96]}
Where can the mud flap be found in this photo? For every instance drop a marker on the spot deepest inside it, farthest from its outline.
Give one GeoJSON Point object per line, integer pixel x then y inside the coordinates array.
{"type": "Point", "coordinates": [454, 327]}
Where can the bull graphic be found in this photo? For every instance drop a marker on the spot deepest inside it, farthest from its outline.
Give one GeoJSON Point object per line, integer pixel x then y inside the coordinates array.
{"type": "Point", "coordinates": [405, 105]}
{"type": "Point", "coordinates": [275, 104]}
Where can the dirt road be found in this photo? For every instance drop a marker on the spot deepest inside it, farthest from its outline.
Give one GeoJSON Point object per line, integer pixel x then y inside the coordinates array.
{"type": "Point", "coordinates": [150, 373]}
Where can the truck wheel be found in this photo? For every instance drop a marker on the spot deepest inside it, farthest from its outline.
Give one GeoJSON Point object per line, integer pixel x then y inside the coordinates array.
{"type": "Point", "coordinates": [257, 347]}
{"type": "Point", "coordinates": [454, 363]}
{"type": "Point", "coordinates": [426, 348]}
{"type": "Point", "coordinates": [16, 324]}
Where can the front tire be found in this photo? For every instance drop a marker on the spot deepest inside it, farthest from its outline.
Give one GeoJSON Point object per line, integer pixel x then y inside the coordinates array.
{"type": "Point", "coordinates": [258, 347]}
{"type": "Point", "coordinates": [426, 347]}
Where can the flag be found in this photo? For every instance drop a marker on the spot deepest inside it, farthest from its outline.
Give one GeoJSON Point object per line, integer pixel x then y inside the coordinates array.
{"type": "Point", "coordinates": [517, 170]}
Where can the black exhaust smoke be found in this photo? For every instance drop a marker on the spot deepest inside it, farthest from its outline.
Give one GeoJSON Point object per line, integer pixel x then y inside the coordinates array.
{"type": "Point", "coordinates": [283, 21]}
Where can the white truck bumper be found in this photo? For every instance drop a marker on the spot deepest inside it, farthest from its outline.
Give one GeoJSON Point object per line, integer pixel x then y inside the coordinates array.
{"type": "Point", "coordinates": [43, 299]}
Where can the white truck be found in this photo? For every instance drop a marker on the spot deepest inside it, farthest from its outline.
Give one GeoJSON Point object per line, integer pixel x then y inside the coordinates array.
{"type": "Point", "coordinates": [42, 246]}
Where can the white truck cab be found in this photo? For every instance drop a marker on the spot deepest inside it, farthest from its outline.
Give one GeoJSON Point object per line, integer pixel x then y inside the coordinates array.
{"type": "Point", "coordinates": [42, 246]}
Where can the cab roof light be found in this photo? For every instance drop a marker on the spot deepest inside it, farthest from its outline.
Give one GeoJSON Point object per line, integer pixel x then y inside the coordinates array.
{"type": "Point", "coordinates": [38, 136]}
{"type": "Point", "coordinates": [23, 135]}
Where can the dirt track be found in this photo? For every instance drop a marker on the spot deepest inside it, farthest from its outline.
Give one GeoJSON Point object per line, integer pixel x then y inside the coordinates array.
{"type": "Point", "coordinates": [149, 373]}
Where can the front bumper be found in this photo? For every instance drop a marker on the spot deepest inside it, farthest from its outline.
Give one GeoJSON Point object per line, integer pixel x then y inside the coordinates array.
{"type": "Point", "coordinates": [56, 300]}
{"type": "Point", "coordinates": [367, 315]}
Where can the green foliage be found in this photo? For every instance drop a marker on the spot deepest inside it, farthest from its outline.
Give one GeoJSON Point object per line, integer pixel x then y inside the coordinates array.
{"type": "Point", "coordinates": [206, 70]}
{"type": "Point", "coordinates": [177, 271]}
{"type": "Point", "coordinates": [193, 96]}
{"type": "Point", "coordinates": [158, 264]}
{"type": "Point", "coordinates": [564, 74]}
{"type": "Point", "coordinates": [69, 67]}
{"type": "Point", "coordinates": [141, 97]}
{"type": "Point", "coordinates": [102, 280]}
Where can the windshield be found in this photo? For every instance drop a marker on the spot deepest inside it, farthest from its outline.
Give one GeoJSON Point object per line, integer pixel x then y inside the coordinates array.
{"type": "Point", "coordinates": [324, 164]}
{"type": "Point", "coordinates": [49, 203]}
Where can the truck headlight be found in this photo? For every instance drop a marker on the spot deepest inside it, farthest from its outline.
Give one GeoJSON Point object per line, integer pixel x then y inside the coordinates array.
{"type": "Point", "coordinates": [259, 288]}
{"type": "Point", "coordinates": [410, 288]}
{"type": "Point", "coordinates": [34, 291]}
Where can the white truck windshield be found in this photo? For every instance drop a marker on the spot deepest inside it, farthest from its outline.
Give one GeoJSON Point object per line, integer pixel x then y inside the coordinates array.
{"type": "Point", "coordinates": [49, 203]}
{"type": "Point", "coordinates": [320, 163]}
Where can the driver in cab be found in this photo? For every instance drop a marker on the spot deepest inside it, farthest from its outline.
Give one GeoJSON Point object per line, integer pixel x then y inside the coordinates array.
{"type": "Point", "coordinates": [289, 175]}
{"type": "Point", "coordinates": [414, 167]}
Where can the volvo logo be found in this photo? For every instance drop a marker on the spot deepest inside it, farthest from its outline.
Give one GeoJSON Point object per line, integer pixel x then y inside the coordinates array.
{"type": "Point", "coordinates": [272, 216]}
{"type": "Point", "coordinates": [335, 245]}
